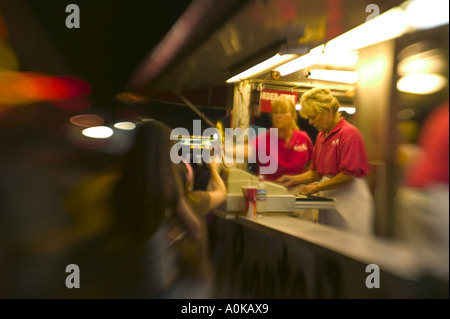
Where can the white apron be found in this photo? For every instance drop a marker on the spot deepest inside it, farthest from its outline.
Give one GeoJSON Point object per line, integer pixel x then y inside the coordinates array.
{"type": "Point", "coordinates": [354, 207]}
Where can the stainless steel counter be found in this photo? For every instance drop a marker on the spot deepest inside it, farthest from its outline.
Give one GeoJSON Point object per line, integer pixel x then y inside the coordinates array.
{"type": "Point", "coordinates": [278, 255]}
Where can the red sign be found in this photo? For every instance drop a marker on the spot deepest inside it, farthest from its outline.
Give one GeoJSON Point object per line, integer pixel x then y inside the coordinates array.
{"type": "Point", "coordinates": [268, 95]}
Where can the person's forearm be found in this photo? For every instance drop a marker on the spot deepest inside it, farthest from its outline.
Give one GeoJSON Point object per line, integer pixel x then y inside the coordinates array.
{"type": "Point", "coordinates": [336, 181]}
{"type": "Point", "coordinates": [219, 193]}
{"type": "Point", "coordinates": [217, 182]}
{"type": "Point", "coordinates": [307, 177]}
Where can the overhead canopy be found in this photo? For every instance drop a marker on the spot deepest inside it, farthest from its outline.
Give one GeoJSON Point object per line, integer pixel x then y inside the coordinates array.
{"type": "Point", "coordinates": [216, 39]}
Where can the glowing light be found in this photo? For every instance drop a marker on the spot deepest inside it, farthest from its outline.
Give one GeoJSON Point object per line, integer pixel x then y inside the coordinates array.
{"type": "Point", "coordinates": [349, 110]}
{"type": "Point", "coordinates": [426, 14]}
{"type": "Point", "coordinates": [128, 126]}
{"type": "Point", "coordinates": [98, 132]}
{"type": "Point", "coordinates": [341, 59]}
{"type": "Point", "coordinates": [262, 67]}
{"type": "Point", "coordinates": [372, 71]}
{"type": "Point", "coordinates": [298, 64]}
{"type": "Point", "coordinates": [421, 83]}
{"type": "Point", "coordinates": [334, 75]}
{"type": "Point", "coordinates": [431, 61]}
{"type": "Point", "coordinates": [388, 25]}
{"type": "Point", "coordinates": [15, 88]}
{"type": "Point", "coordinates": [28, 87]}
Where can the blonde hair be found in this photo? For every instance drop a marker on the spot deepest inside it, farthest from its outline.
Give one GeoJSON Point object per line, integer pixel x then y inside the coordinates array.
{"type": "Point", "coordinates": [317, 101]}
{"type": "Point", "coordinates": [283, 103]}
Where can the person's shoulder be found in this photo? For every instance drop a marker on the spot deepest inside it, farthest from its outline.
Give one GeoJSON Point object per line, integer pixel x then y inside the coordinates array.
{"type": "Point", "coordinates": [349, 131]}
{"type": "Point", "coordinates": [345, 126]}
{"type": "Point", "coordinates": [300, 134]}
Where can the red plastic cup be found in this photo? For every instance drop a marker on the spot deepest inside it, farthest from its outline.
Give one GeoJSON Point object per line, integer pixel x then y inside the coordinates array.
{"type": "Point", "coordinates": [250, 200]}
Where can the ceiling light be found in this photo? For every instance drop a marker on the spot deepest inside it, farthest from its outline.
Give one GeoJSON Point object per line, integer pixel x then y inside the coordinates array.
{"type": "Point", "coordinates": [298, 64]}
{"type": "Point", "coordinates": [347, 109]}
{"type": "Point", "coordinates": [421, 83]}
{"type": "Point", "coordinates": [125, 126]}
{"type": "Point", "coordinates": [342, 59]}
{"type": "Point", "coordinates": [431, 61]}
{"type": "Point", "coordinates": [262, 67]}
{"type": "Point", "coordinates": [423, 14]}
{"type": "Point", "coordinates": [387, 25]}
{"type": "Point", "coordinates": [334, 76]}
{"type": "Point", "coordinates": [98, 132]}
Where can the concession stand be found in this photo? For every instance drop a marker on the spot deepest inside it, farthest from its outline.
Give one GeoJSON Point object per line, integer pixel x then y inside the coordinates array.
{"type": "Point", "coordinates": [278, 254]}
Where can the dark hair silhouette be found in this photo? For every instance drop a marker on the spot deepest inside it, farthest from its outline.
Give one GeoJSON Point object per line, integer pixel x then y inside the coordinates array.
{"type": "Point", "coordinates": [149, 185]}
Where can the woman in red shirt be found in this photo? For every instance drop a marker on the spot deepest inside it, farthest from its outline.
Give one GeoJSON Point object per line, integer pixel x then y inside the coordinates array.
{"type": "Point", "coordinates": [294, 147]}
{"type": "Point", "coordinates": [339, 165]}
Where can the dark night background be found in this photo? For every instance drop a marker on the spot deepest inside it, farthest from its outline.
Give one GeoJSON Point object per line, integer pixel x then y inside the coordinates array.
{"type": "Point", "coordinates": [113, 39]}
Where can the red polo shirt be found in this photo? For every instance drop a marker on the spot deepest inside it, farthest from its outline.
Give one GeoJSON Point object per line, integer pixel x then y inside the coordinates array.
{"type": "Point", "coordinates": [292, 157]}
{"type": "Point", "coordinates": [342, 151]}
{"type": "Point", "coordinates": [432, 166]}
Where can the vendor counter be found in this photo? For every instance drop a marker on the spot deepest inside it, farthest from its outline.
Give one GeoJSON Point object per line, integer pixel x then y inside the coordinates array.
{"type": "Point", "coordinates": [281, 256]}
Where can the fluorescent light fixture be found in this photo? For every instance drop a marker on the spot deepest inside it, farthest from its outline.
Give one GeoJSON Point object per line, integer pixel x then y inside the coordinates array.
{"type": "Point", "coordinates": [297, 64]}
{"type": "Point", "coordinates": [311, 58]}
{"type": "Point", "coordinates": [262, 67]}
{"type": "Point", "coordinates": [334, 75]}
{"type": "Point", "coordinates": [428, 14]}
{"type": "Point", "coordinates": [411, 15]}
{"type": "Point", "coordinates": [421, 83]}
{"type": "Point", "coordinates": [342, 59]}
{"type": "Point", "coordinates": [387, 25]}
{"type": "Point", "coordinates": [316, 56]}
{"type": "Point", "coordinates": [349, 110]}
{"type": "Point", "coordinates": [98, 132]}
{"type": "Point", "coordinates": [415, 14]}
